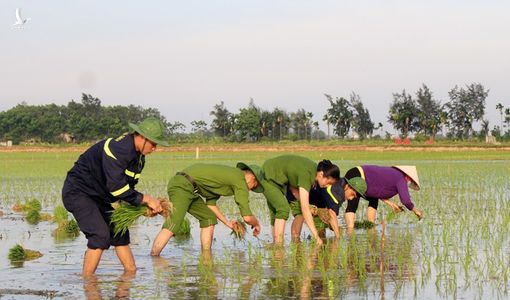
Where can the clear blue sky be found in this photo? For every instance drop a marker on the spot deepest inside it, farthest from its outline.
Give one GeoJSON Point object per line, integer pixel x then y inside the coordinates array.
{"type": "Point", "coordinates": [183, 57]}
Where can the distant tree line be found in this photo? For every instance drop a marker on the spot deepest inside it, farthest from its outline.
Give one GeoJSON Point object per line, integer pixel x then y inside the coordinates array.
{"type": "Point", "coordinates": [84, 121]}
{"type": "Point", "coordinates": [418, 114]}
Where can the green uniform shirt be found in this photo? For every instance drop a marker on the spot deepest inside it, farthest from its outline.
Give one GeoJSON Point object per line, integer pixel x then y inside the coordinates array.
{"type": "Point", "coordinates": [214, 181]}
{"type": "Point", "coordinates": [293, 170]}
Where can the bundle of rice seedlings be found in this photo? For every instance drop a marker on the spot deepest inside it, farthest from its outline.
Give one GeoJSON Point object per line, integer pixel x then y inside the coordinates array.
{"type": "Point", "coordinates": [18, 254]}
{"type": "Point", "coordinates": [33, 217]}
{"type": "Point", "coordinates": [60, 214]}
{"type": "Point", "coordinates": [365, 224]}
{"type": "Point", "coordinates": [239, 229]}
{"type": "Point", "coordinates": [32, 210]}
{"type": "Point", "coordinates": [33, 204]}
{"type": "Point", "coordinates": [324, 215]}
{"type": "Point", "coordinates": [71, 227]}
{"type": "Point", "coordinates": [126, 214]}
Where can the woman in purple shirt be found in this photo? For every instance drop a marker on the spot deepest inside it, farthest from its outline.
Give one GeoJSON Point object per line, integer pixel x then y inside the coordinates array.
{"type": "Point", "coordinates": [383, 183]}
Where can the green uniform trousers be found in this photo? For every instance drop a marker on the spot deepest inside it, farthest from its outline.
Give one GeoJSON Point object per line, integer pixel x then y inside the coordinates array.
{"type": "Point", "coordinates": [183, 198]}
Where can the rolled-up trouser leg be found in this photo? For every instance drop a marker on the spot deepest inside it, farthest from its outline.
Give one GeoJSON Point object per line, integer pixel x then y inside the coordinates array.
{"type": "Point", "coordinates": [276, 201]}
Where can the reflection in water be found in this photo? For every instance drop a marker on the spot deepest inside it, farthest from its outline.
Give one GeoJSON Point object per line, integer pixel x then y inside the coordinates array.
{"type": "Point", "coordinates": [361, 263]}
{"type": "Point", "coordinates": [92, 289]}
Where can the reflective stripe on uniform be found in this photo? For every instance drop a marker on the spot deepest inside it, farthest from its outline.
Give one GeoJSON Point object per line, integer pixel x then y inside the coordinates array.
{"type": "Point", "coordinates": [106, 149]}
{"type": "Point", "coordinates": [121, 190]}
{"type": "Point", "coordinates": [132, 174]}
{"type": "Point", "coordinates": [360, 169]}
{"type": "Point", "coordinates": [328, 189]}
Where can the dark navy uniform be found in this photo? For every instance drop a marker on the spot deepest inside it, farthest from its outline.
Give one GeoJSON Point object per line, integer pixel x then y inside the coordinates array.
{"type": "Point", "coordinates": [108, 171]}
{"type": "Point", "coordinates": [331, 197]}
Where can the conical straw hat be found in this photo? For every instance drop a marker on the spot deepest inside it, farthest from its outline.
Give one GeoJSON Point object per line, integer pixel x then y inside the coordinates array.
{"type": "Point", "coordinates": [412, 173]}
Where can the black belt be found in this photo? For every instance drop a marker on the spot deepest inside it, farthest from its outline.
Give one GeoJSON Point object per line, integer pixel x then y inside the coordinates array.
{"type": "Point", "coordinates": [190, 179]}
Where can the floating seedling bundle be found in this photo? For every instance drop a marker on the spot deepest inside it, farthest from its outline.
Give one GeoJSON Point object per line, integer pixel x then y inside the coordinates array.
{"type": "Point", "coordinates": [32, 211]}
{"type": "Point", "coordinates": [18, 254]}
{"type": "Point", "coordinates": [66, 227]}
{"type": "Point", "coordinates": [125, 214]}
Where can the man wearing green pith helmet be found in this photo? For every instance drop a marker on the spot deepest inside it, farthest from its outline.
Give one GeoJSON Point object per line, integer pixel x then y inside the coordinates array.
{"type": "Point", "coordinates": [108, 171]}
{"type": "Point", "coordinates": [189, 188]}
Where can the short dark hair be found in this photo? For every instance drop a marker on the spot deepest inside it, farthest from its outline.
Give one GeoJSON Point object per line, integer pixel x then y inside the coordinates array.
{"type": "Point", "coordinates": [329, 169]}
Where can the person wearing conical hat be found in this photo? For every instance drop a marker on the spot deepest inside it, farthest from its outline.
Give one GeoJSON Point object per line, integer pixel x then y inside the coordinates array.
{"type": "Point", "coordinates": [105, 173]}
{"type": "Point", "coordinates": [196, 189]}
{"type": "Point", "coordinates": [383, 183]}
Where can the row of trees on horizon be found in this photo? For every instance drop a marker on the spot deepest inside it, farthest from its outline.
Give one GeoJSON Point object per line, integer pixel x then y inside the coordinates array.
{"type": "Point", "coordinates": [418, 114]}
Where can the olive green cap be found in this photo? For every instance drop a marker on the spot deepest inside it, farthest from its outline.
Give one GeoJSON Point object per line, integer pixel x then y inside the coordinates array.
{"type": "Point", "coordinates": [153, 129]}
{"type": "Point", "coordinates": [358, 184]}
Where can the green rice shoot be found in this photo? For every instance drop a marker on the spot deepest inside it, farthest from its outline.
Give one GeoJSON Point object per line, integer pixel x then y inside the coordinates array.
{"type": "Point", "coordinates": [18, 254]}
{"type": "Point", "coordinates": [124, 216]}
{"type": "Point", "coordinates": [33, 217]}
{"type": "Point", "coordinates": [60, 214]}
{"type": "Point", "coordinates": [365, 224]}
{"type": "Point", "coordinates": [239, 230]}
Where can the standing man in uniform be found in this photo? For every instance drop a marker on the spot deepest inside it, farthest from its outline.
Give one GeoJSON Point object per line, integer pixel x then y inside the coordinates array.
{"type": "Point", "coordinates": [188, 189]}
{"type": "Point", "coordinates": [107, 172]}
{"type": "Point", "coordinates": [298, 172]}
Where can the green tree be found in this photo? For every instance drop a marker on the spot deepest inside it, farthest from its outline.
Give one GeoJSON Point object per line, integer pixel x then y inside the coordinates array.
{"type": "Point", "coordinates": [198, 126]}
{"type": "Point", "coordinates": [429, 112]}
{"type": "Point", "coordinates": [222, 122]}
{"type": "Point", "coordinates": [404, 114]}
{"type": "Point", "coordinates": [500, 107]}
{"type": "Point", "coordinates": [301, 122]}
{"type": "Point", "coordinates": [361, 122]}
{"type": "Point", "coordinates": [280, 123]}
{"type": "Point", "coordinates": [465, 107]}
{"type": "Point", "coordinates": [247, 123]}
{"type": "Point", "coordinates": [339, 115]}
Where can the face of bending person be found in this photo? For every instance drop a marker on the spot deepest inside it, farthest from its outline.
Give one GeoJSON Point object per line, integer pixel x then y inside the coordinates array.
{"type": "Point", "coordinates": [324, 181]}
{"type": "Point", "coordinates": [251, 180]}
{"type": "Point", "coordinates": [349, 192]}
{"type": "Point", "coordinates": [144, 145]}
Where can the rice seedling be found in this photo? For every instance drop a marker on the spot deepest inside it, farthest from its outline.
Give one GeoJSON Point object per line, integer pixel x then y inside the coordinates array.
{"type": "Point", "coordinates": [60, 214]}
{"type": "Point", "coordinates": [239, 229]}
{"type": "Point", "coordinates": [18, 254]}
{"type": "Point", "coordinates": [365, 224]}
{"type": "Point", "coordinates": [33, 217]}
{"type": "Point", "coordinates": [126, 214]}
{"type": "Point", "coordinates": [33, 204]}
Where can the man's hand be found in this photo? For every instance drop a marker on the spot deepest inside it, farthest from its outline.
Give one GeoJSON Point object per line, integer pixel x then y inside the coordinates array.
{"type": "Point", "coordinates": [152, 203]}
{"type": "Point", "coordinates": [254, 223]}
{"type": "Point", "coordinates": [418, 213]}
{"type": "Point", "coordinates": [319, 241]}
{"type": "Point", "coordinates": [230, 224]}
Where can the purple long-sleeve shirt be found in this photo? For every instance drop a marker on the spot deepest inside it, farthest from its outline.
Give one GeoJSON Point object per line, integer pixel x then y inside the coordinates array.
{"type": "Point", "coordinates": [386, 182]}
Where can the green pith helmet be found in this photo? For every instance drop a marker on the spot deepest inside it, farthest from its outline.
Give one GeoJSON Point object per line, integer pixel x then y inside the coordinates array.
{"type": "Point", "coordinates": [257, 171]}
{"type": "Point", "coordinates": [153, 129]}
{"type": "Point", "coordinates": [358, 184]}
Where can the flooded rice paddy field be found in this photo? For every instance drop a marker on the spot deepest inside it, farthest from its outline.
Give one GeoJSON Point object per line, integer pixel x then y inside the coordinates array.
{"type": "Point", "coordinates": [459, 250]}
